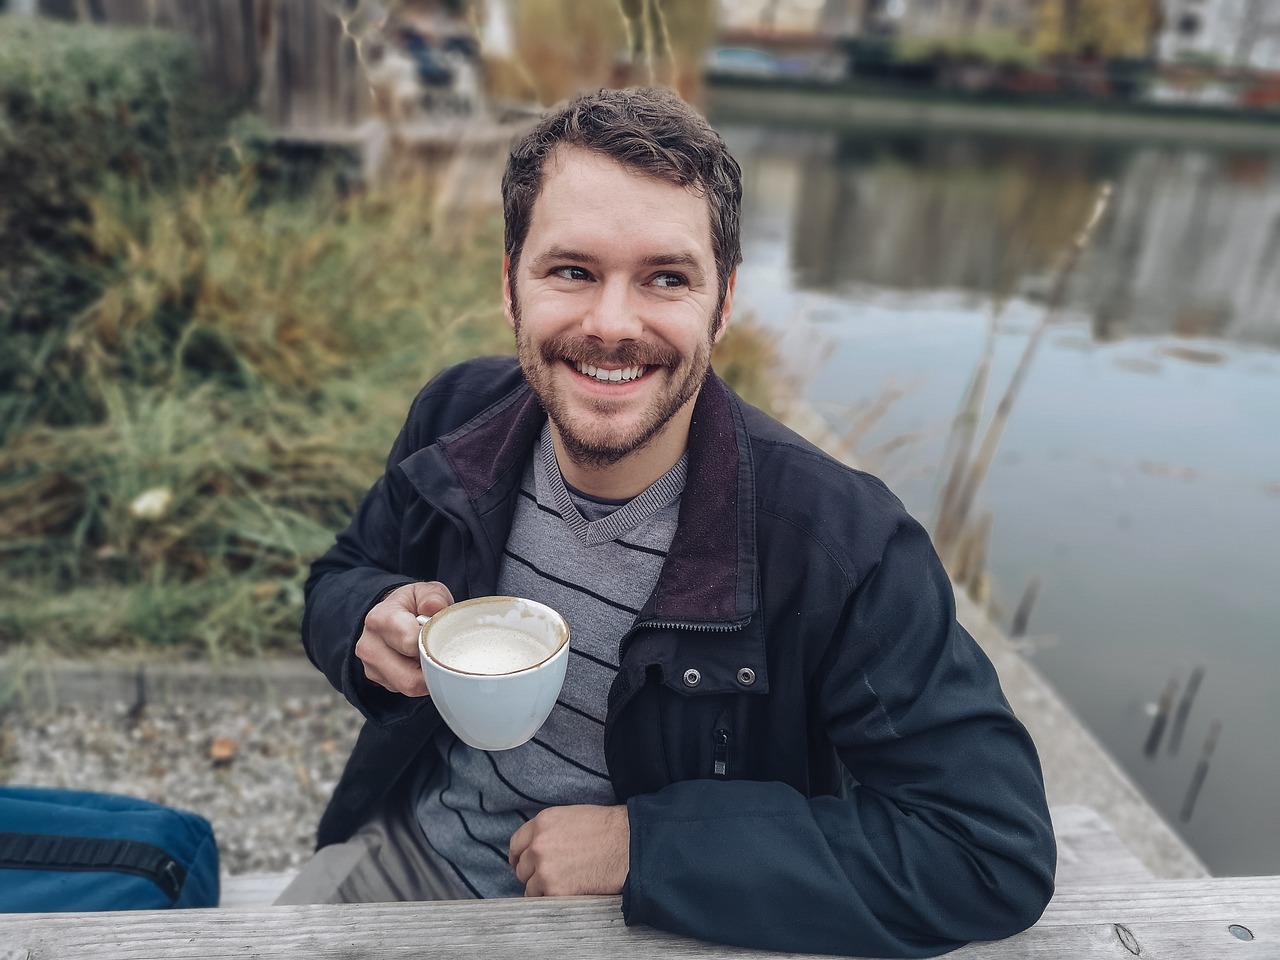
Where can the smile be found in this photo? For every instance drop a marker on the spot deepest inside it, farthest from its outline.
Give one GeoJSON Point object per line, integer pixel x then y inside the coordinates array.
{"type": "Point", "coordinates": [622, 375]}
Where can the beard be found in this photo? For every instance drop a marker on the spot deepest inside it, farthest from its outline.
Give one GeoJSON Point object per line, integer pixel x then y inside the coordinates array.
{"type": "Point", "coordinates": [603, 432]}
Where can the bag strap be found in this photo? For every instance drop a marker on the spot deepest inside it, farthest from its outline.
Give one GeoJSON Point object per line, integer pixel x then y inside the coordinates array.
{"type": "Point", "coordinates": [39, 851]}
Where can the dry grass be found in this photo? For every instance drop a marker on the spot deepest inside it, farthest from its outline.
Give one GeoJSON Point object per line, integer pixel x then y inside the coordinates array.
{"type": "Point", "coordinates": [212, 417]}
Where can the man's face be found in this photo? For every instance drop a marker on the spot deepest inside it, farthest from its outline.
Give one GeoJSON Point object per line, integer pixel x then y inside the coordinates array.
{"type": "Point", "coordinates": [613, 303]}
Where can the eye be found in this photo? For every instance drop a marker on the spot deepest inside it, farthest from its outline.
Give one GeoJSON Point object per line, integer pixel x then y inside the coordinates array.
{"type": "Point", "coordinates": [670, 281]}
{"type": "Point", "coordinates": [571, 273]}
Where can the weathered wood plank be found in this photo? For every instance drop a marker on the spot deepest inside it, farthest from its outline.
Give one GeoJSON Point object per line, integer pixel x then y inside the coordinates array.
{"type": "Point", "coordinates": [1190, 899]}
{"type": "Point", "coordinates": [1089, 850]}
{"type": "Point", "coordinates": [1169, 940]}
{"type": "Point", "coordinates": [253, 889]}
{"type": "Point", "coordinates": [1162, 921]}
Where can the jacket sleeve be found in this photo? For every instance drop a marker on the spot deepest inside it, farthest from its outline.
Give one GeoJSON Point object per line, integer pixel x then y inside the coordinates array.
{"type": "Point", "coordinates": [943, 836]}
{"type": "Point", "coordinates": [350, 578]}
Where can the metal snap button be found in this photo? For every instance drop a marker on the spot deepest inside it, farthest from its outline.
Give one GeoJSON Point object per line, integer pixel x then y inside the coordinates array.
{"type": "Point", "coordinates": [692, 677]}
{"type": "Point", "coordinates": [746, 676]}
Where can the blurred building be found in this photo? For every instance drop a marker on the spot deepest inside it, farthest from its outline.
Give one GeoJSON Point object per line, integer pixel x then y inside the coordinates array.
{"type": "Point", "coordinates": [906, 18]}
{"type": "Point", "coordinates": [1237, 33]}
{"type": "Point", "coordinates": [926, 19]}
{"type": "Point", "coordinates": [831, 17]}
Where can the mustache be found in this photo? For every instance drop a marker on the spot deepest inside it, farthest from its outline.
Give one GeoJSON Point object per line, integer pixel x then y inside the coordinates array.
{"type": "Point", "coordinates": [628, 354]}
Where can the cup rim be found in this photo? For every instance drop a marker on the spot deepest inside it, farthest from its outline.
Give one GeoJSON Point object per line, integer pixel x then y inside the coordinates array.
{"type": "Point", "coordinates": [554, 615]}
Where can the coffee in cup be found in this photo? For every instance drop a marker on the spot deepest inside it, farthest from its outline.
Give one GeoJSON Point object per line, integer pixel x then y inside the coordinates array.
{"type": "Point", "coordinates": [494, 667]}
{"type": "Point", "coordinates": [491, 650]}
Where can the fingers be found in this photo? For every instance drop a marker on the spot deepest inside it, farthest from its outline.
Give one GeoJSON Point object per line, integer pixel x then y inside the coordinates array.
{"type": "Point", "coordinates": [519, 843]}
{"type": "Point", "coordinates": [573, 850]}
{"type": "Point", "coordinates": [389, 669]}
{"type": "Point", "coordinates": [395, 619]}
{"type": "Point", "coordinates": [388, 645]}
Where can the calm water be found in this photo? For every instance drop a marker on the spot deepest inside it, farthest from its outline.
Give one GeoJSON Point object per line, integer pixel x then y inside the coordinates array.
{"type": "Point", "coordinates": [1140, 473]}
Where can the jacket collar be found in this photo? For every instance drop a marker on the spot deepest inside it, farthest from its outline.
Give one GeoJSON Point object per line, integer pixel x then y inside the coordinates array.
{"type": "Point", "coordinates": [710, 572]}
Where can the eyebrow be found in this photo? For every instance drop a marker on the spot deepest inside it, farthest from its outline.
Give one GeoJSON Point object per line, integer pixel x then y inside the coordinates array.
{"type": "Point", "coordinates": [678, 258]}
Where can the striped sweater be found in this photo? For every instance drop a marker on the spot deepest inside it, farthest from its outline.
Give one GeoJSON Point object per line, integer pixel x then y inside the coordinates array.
{"type": "Point", "coordinates": [596, 563]}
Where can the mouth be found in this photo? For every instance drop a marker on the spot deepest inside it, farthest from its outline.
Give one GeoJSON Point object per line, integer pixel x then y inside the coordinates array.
{"type": "Point", "coordinates": [617, 375]}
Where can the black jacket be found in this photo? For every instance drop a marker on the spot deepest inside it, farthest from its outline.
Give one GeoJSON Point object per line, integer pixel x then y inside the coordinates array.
{"type": "Point", "coordinates": [814, 754]}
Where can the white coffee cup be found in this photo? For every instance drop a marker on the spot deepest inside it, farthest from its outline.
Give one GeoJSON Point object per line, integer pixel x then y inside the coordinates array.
{"type": "Point", "coordinates": [494, 667]}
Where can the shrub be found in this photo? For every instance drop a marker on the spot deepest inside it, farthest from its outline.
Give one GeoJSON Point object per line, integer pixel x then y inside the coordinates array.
{"type": "Point", "coordinates": [233, 389]}
{"type": "Point", "coordinates": [81, 109]}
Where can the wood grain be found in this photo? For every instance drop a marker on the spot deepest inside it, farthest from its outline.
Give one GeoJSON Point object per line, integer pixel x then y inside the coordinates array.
{"type": "Point", "coordinates": [1162, 920]}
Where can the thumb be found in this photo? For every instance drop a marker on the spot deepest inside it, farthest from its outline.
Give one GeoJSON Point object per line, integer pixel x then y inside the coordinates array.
{"type": "Point", "coordinates": [428, 599]}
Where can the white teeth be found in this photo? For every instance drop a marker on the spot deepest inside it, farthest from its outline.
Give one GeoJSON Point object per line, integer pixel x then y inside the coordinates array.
{"type": "Point", "coordinates": [609, 376]}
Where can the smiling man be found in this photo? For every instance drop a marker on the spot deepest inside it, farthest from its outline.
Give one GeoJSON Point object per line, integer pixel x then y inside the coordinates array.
{"type": "Point", "coordinates": [614, 298]}
{"type": "Point", "coordinates": [773, 732]}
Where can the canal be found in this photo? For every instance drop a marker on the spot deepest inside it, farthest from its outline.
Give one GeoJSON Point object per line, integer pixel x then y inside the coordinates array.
{"type": "Point", "coordinates": [1139, 476]}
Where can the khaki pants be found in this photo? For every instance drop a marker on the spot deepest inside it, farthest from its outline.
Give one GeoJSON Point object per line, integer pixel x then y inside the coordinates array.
{"type": "Point", "coordinates": [386, 860]}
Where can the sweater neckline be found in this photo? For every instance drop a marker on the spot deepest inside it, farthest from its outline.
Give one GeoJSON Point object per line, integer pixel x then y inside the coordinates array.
{"type": "Point", "coordinates": [628, 516]}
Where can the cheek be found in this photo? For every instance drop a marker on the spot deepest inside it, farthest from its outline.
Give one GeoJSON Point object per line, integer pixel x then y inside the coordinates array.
{"type": "Point", "coordinates": [549, 307]}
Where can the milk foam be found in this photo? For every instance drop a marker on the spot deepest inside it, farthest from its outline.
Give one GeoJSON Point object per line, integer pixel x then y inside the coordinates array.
{"type": "Point", "coordinates": [491, 649]}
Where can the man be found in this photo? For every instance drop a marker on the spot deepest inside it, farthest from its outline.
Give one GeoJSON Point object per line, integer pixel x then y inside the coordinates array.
{"type": "Point", "coordinates": [773, 732]}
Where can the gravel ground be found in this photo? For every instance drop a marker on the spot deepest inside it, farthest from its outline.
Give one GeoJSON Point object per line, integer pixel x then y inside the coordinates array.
{"type": "Point", "coordinates": [260, 772]}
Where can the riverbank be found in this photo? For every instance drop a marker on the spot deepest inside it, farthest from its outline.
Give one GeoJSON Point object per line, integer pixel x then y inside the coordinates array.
{"type": "Point", "coordinates": [843, 106]}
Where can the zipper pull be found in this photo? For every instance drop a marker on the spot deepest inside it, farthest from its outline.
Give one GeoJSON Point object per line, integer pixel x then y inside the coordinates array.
{"type": "Point", "coordinates": [721, 753]}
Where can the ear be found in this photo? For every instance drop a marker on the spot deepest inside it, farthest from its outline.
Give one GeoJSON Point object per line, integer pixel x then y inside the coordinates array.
{"type": "Point", "coordinates": [726, 310]}
{"type": "Point", "coordinates": [506, 291]}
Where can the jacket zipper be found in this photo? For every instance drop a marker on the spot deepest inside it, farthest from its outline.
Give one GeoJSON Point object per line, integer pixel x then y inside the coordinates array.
{"type": "Point", "coordinates": [720, 755]}
{"type": "Point", "coordinates": [724, 626]}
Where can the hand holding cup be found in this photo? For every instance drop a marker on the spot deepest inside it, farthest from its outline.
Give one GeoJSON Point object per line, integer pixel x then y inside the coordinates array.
{"type": "Point", "coordinates": [388, 645]}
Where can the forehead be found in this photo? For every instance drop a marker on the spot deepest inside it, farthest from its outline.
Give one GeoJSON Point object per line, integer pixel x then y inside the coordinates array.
{"type": "Point", "coordinates": [589, 195]}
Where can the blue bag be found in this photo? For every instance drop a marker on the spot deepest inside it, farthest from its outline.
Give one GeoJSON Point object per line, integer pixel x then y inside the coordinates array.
{"type": "Point", "coordinates": [70, 850]}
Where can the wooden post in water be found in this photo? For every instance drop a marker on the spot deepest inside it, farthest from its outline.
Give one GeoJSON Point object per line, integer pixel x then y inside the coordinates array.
{"type": "Point", "coordinates": [1163, 710]}
{"type": "Point", "coordinates": [1201, 771]}
{"type": "Point", "coordinates": [1184, 708]}
{"type": "Point", "coordinates": [1022, 615]}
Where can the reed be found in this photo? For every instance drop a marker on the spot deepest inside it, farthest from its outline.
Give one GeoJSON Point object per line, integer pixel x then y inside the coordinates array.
{"type": "Point", "coordinates": [954, 531]}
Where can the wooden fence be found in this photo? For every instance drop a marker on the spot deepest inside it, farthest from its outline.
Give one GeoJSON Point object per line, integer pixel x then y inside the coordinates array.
{"type": "Point", "coordinates": [292, 56]}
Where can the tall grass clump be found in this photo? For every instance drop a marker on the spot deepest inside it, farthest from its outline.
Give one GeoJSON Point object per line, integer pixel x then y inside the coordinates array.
{"type": "Point", "coordinates": [81, 110]}
{"type": "Point", "coordinates": [223, 402]}
{"type": "Point", "coordinates": [199, 376]}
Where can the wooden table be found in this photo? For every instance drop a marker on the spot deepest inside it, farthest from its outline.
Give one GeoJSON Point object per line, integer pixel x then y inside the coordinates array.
{"type": "Point", "coordinates": [1202, 919]}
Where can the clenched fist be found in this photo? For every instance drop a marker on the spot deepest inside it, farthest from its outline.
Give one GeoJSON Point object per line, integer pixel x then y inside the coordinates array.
{"type": "Point", "coordinates": [573, 851]}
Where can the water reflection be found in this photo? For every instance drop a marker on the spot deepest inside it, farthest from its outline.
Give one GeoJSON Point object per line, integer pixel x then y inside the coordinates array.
{"type": "Point", "coordinates": [1191, 246]}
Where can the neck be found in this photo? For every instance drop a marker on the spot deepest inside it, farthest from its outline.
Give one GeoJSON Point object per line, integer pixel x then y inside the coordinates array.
{"type": "Point", "coordinates": [634, 473]}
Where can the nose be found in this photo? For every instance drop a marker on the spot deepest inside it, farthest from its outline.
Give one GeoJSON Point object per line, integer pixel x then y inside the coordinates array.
{"type": "Point", "coordinates": [614, 313]}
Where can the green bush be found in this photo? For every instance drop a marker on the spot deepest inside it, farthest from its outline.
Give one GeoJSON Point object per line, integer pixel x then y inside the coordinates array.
{"type": "Point", "coordinates": [82, 109]}
{"type": "Point", "coordinates": [244, 367]}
